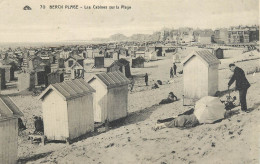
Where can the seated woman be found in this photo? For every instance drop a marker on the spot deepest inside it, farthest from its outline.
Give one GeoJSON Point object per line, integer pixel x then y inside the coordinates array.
{"type": "Point", "coordinates": [170, 99]}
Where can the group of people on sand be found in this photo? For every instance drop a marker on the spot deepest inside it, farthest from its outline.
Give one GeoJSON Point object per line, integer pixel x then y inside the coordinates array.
{"type": "Point", "coordinates": [173, 72]}
{"type": "Point", "coordinates": [188, 119]}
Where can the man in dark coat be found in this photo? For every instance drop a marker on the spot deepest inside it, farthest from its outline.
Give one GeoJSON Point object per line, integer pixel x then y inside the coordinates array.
{"type": "Point", "coordinates": [38, 124]}
{"type": "Point", "coordinates": [174, 68]}
{"type": "Point", "coordinates": [242, 84]}
{"type": "Point", "coordinates": [146, 79]}
{"type": "Point", "coordinates": [171, 73]}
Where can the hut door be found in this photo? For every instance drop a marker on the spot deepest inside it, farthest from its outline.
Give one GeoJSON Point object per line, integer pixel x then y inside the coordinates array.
{"type": "Point", "coordinates": [61, 78]}
{"type": "Point", "coordinates": [121, 69]}
{"type": "Point", "coordinates": [41, 77]}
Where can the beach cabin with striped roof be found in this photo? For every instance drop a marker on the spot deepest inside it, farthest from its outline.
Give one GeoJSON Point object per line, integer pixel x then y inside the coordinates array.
{"type": "Point", "coordinates": [200, 74]}
{"type": "Point", "coordinates": [9, 114]}
{"type": "Point", "coordinates": [111, 96]}
{"type": "Point", "coordinates": [67, 109]}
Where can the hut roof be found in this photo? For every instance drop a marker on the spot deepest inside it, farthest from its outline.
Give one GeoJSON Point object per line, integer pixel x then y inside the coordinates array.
{"type": "Point", "coordinates": [204, 55]}
{"type": "Point", "coordinates": [76, 64]}
{"type": "Point", "coordinates": [55, 72]}
{"type": "Point", "coordinates": [69, 89]}
{"type": "Point", "coordinates": [8, 109]}
{"type": "Point", "coordinates": [75, 57]}
{"type": "Point", "coordinates": [112, 79]}
{"type": "Point", "coordinates": [216, 48]}
{"type": "Point", "coordinates": [123, 61]}
{"type": "Point", "coordinates": [70, 57]}
{"type": "Point", "coordinates": [78, 57]}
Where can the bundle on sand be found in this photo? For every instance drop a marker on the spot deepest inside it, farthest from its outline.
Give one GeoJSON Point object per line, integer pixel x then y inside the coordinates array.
{"type": "Point", "coordinates": [159, 82]}
{"type": "Point", "coordinates": [155, 86]}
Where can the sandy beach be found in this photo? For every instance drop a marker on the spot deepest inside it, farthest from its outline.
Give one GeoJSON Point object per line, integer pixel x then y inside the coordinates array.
{"type": "Point", "coordinates": [233, 140]}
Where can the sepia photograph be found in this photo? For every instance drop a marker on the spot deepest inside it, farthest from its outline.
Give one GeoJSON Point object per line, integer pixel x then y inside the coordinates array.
{"type": "Point", "coordinates": [129, 82]}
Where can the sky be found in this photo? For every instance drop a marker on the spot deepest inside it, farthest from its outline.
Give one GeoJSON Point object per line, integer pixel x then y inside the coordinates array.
{"type": "Point", "coordinates": [145, 16]}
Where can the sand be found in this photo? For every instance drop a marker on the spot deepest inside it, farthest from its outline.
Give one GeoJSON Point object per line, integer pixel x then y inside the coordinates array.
{"type": "Point", "coordinates": [234, 140]}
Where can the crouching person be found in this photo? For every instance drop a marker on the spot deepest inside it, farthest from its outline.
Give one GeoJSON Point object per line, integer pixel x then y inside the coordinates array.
{"type": "Point", "coordinates": [38, 124]}
{"type": "Point", "coordinates": [171, 98]}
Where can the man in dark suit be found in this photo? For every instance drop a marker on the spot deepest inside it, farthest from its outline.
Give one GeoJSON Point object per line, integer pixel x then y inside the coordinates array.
{"type": "Point", "coordinates": [242, 84]}
{"type": "Point", "coordinates": [146, 79]}
{"type": "Point", "coordinates": [174, 68]}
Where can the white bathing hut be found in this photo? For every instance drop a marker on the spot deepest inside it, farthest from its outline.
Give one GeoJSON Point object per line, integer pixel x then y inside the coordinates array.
{"type": "Point", "coordinates": [67, 109]}
{"type": "Point", "coordinates": [200, 74]}
{"type": "Point", "coordinates": [111, 97]}
{"type": "Point", "coordinates": [9, 114]}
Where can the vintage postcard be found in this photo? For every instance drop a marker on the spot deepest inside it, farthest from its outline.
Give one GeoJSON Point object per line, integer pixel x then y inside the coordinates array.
{"type": "Point", "coordinates": [129, 81]}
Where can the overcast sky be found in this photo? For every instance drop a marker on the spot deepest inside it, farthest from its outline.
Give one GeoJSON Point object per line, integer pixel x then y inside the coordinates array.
{"type": "Point", "coordinates": [145, 16]}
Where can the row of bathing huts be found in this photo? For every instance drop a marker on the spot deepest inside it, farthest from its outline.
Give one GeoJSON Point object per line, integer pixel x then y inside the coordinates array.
{"type": "Point", "coordinates": [40, 68]}
{"type": "Point", "coordinates": [70, 109]}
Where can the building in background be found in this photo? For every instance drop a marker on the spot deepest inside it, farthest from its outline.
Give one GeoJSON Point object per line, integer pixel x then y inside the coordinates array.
{"type": "Point", "coordinates": [238, 35]}
{"type": "Point", "coordinates": [221, 36]}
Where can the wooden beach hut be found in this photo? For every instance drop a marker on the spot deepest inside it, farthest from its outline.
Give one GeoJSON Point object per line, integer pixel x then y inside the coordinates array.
{"type": "Point", "coordinates": [9, 72]}
{"type": "Point", "coordinates": [218, 52]}
{"type": "Point", "coordinates": [158, 49]}
{"type": "Point", "coordinates": [200, 74]}
{"type": "Point", "coordinates": [99, 61]}
{"type": "Point", "coordinates": [9, 67]}
{"type": "Point", "coordinates": [111, 97]}
{"type": "Point", "coordinates": [176, 58]}
{"type": "Point", "coordinates": [26, 80]}
{"type": "Point", "coordinates": [67, 110]}
{"type": "Point", "coordinates": [89, 52]}
{"type": "Point", "coordinates": [55, 77]}
{"type": "Point", "coordinates": [138, 62]}
{"type": "Point", "coordinates": [121, 65]}
{"type": "Point", "coordinates": [115, 56]}
{"type": "Point", "coordinates": [69, 62]}
{"type": "Point", "coordinates": [152, 56]}
{"type": "Point", "coordinates": [77, 71]}
{"type": "Point", "coordinates": [9, 114]}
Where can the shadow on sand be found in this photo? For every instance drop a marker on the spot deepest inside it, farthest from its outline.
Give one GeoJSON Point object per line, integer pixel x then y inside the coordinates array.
{"type": "Point", "coordinates": [152, 66]}
{"type": "Point", "coordinates": [132, 118]}
{"type": "Point", "coordinates": [33, 157]}
{"type": "Point", "coordinates": [21, 93]}
{"type": "Point", "coordinates": [255, 106]}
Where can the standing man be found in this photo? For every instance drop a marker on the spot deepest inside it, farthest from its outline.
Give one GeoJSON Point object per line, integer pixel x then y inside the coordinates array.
{"type": "Point", "coordinates": [146, 79]}
{"type": "Point", "coordinates": [171, 73]}
{"type": "Point", "coordinates": [174, 68]}
{"type": "Point", "coordinates": [242, 84]}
